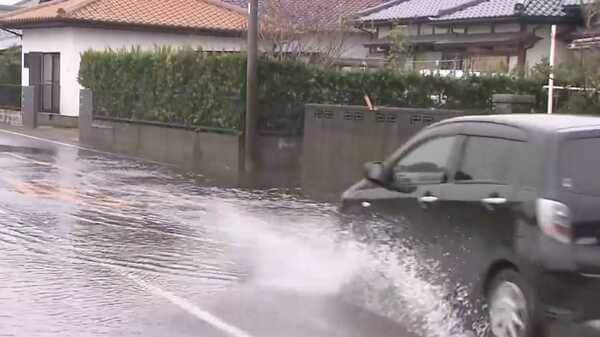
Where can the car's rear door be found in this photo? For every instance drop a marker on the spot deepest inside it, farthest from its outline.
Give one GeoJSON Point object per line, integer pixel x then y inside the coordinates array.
{"type": "Point", "coordinates": [579, 189]}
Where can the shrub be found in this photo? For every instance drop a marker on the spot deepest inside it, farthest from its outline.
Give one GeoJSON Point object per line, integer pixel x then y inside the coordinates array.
{"type": "Point", "coordinates": [194, 88]}
{"type": "Point", "coordinates": [10, 66]}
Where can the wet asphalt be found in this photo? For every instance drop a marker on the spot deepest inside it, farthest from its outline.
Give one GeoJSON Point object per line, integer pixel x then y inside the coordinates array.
{"type": "Point", "coordinates": [95, 244]}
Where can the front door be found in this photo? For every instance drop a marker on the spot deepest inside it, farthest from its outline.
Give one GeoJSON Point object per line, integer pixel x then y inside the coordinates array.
{"type": "Point", "coordinates": [411, 198]}
{"type": "Point", "coordinates": [50, 100]}
{"type": "Point", "coordinates": [44, 74]}
{"type": "Point", "coordinates": [479, 202]}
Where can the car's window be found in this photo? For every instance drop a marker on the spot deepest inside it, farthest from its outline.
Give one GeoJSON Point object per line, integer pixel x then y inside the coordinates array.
{"type": "Point", "coordinates": [580, 164]}
{"type": "Point", "coordinates": [488, 159]}
{"type": "Point", "coordinates": [427, 163]}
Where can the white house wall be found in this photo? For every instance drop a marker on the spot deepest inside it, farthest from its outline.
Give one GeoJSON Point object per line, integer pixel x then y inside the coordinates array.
{"type": "Point", "coordinates": [72, 42]}
{"type": "Point", "coordinates": [55, 40]}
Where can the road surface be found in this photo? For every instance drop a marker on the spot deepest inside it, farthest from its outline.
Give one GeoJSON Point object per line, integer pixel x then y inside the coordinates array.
{"type": "Point", "coordinates": [95, 244]}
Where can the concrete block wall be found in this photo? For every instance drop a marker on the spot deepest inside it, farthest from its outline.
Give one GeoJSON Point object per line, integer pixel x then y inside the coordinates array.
{"type": "Point", "coordinates": [215, 155]}
{"type": "Point", "coordinates": [339, 140]}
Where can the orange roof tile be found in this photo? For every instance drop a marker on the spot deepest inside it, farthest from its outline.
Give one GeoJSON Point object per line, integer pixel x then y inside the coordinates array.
{"type": "Point", "coordinates": [209, 15]}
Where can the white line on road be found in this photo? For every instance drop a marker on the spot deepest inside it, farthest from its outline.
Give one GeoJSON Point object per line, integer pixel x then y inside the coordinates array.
{"type": "Point", "coordinates": [190, 308]}
{"type": "Point", "coordinates": [46, 140]}
{"type": "Point", "coordinates": [83, 147]}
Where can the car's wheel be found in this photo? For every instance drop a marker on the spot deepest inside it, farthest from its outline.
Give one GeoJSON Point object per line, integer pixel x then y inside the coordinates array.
{"type": "Point", "coordinates": [512, 306]}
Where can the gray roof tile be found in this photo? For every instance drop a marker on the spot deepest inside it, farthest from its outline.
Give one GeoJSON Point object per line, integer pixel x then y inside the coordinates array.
{"type": "Point", "coordinates": [465, 9]}
{"type": "Point", "coordinates": [413, 9]}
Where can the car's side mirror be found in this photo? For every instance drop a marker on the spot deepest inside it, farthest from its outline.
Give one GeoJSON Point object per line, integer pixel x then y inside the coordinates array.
{"type": "Point", "coordinates": [375, 171]}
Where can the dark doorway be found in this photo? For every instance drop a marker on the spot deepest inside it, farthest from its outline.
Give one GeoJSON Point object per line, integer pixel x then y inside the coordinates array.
{"type": "Point", "coordinates": [44, 74]}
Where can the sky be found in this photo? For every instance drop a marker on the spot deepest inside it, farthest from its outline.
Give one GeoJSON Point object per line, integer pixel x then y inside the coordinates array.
{"type": "Point", "coordinates": [7, 2]}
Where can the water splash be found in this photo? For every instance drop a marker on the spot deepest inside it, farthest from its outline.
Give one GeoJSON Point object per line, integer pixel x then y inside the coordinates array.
{"type": "Point", "coordinates": [385, 278]}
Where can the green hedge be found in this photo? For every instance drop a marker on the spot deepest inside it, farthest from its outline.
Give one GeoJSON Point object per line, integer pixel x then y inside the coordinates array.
{"type": "Point", "coordinates": [178, 87]}
{"type": "Point", "coordinates": [10, 66]}
{"type": "Point", "coordinates": [203, 89]}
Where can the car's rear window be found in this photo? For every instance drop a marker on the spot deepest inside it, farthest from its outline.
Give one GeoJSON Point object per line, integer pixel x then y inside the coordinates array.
{"type": "Point", "coordinates": [580, 165]}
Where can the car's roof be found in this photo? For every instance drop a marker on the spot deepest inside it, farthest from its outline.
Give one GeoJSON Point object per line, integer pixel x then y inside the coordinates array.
{"type": "Point", "coordinates": [532, 122]}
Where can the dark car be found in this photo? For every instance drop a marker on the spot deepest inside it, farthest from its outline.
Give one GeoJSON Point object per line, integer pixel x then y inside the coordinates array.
{"type": "Point", "coordinates": [510, 204]}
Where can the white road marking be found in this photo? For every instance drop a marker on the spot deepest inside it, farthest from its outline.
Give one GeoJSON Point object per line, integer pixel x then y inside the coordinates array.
{"type": "Point", "coordinates": [83, 147]}
{"type": "Point", "coordinates": [190, 308]}
{"type": "Point", "coordinates": [46, 140]}
{"type": "Point", "coordinates": [14, 155]}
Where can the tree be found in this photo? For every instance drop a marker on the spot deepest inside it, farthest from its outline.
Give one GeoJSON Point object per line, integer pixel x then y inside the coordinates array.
{"type": "Point", "coordinates": [10, 66]}
{"type": "Point", "coordinates": [582, 76]}
{"type": "Point", "coordinates": [401, 49]}
{"type": "Point", "coordinates": [590, 12]}
{"type": "Point", "coordinates": [314, 30]}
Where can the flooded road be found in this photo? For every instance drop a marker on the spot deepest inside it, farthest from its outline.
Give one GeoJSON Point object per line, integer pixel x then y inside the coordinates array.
{"type": "Point", "coordinates": [94, 244]}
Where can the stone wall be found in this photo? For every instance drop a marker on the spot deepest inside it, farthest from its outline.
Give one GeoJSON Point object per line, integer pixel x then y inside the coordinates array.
{"type": "Point", "coordinates": [11, 117]}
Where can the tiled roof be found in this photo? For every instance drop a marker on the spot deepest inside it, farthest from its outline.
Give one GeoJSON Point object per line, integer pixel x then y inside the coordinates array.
{"type": "Point", "coordinates": [208, 15]}
{"type": "Point", "coordinates": [409, 9]}
{"type": "Point", "coordinates": [397, 10]}
{"type": "Point", "coordinates": [506, 8]}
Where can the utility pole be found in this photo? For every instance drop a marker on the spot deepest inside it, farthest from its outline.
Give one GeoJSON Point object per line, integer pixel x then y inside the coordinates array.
{"type": "Point", "coordinates": [251, 123]}
{"type": "Point", "coordinates": [552, 66]}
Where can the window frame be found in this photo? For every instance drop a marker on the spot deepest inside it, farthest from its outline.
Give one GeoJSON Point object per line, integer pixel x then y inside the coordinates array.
{"type": "Point", "coordinates": [562, 150]}
{"type": "Point", "coordinates": [454, 152]}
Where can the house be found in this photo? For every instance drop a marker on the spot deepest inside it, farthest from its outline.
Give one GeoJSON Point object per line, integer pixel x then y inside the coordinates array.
{"type": "Point", "coordinates": [56, 33]}
{"type": "Point", "coordinates": [8, 38]}
{"type": "Point", "coordinates": [455, 36]}
{"type": "Point", "coordinates": [588, 38]}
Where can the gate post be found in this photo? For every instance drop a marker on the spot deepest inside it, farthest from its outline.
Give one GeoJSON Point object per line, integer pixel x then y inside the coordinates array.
{"type": "Point", "coordinates": [86, 117]}
{"type": "Point", "coordinates": [28, 106]}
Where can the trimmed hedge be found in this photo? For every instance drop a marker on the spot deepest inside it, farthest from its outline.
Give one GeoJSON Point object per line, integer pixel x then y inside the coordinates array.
{"type": "Point", "coordinates": [10, 66]}
{"type": "Point", "coordinates": [206, 89]}
{"type": "Point", "coordinates": [178, 87]}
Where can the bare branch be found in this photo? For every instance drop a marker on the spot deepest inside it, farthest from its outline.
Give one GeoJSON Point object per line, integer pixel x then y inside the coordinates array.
{"type": "Point", "coordinates": [299, 29]}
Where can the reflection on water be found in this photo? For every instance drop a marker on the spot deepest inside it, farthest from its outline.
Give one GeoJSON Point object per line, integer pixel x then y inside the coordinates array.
{"type": "Point", "coordinates": [71, 223]}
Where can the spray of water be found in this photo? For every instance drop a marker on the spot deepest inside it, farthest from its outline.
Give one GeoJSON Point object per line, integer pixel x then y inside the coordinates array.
{"type": "Point", "coordinates": [387, 279]}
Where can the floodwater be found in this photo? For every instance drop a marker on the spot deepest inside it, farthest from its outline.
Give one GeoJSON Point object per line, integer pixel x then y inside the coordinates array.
{"type": "Point", "coordinates": [94, 244]}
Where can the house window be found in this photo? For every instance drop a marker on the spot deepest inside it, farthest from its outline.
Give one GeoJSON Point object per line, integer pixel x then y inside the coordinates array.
{"type": "Point", "coordinates": [459, 30]}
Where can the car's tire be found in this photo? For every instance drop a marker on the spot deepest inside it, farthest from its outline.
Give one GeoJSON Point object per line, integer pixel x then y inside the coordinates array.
{"type": "Point", "coordinates": [513, 308]}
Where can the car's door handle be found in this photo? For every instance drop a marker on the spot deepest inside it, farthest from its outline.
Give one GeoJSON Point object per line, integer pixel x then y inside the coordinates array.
{"type": "Point", "coordinates": [428, 199]}
{"type": "Point", "coordinates": [494, 201]}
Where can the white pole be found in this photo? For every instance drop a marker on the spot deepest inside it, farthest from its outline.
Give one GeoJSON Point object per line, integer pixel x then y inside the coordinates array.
{"type": "Point", "coordinates": [552, 64]}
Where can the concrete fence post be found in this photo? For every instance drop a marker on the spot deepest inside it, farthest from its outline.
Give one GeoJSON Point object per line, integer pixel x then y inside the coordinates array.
{"type": "Point", "coordinates": [29, 107]}
{"type": "Point", "coordinates": [86, 115]}
{"type": "Point", "coordinates": [512, 104]}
